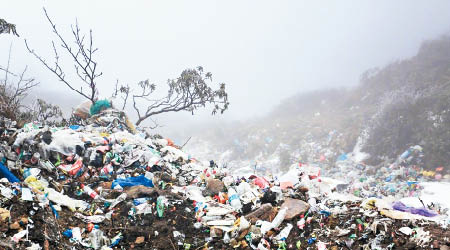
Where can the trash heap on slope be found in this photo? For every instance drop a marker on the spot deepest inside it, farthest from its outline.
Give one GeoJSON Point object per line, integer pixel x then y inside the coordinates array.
{"type": "Point", "coordinates": [104, 185]}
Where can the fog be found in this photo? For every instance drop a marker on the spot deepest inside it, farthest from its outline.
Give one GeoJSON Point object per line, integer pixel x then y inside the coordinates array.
{"type": "Point", "coordinates": [264, 51]}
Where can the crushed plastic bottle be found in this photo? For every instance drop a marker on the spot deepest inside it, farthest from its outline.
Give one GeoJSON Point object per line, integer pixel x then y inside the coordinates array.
{"type": "Point", "coordinates": [279, 218]}
{"type": "Point", "coordinates": [233, 199]}
{"type": "Point", "coordinates": [96, 238]}
{"type": "Point", "coordinates": [161, 204]}
{"type": "Point", "coordinates": [284, 233]}
{"type": "Point", "coordinates": [89, 191]}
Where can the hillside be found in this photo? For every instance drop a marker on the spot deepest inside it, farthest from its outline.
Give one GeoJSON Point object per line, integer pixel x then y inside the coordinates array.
{"type": "Point", "coordinates": [401, 105]}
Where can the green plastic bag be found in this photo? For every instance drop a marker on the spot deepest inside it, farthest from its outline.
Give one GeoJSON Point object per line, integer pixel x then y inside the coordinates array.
{"type": "Point", "coordinates": [160, 206]}
{"type": "Point", "coordinates": [99, 106]}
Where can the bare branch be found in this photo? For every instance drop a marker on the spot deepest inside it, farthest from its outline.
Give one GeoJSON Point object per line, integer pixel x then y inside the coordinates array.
{"type": "Point", "coordinates": [82, 56]}
{"type": "Point", "coordinates": [12, 94]}
{"type": "Point", "coordinates": [7, 66]}
{"type": "Point", "coordinates": [154, 126]}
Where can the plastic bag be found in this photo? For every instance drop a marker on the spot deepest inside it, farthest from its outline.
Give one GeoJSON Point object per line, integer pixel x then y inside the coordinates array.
{"type": "Point", "coordinates": [83, 109]}
{"type": "Point", "coordinates": [4, 172]}
{"type": "Point", "coordinates": [133, 181]}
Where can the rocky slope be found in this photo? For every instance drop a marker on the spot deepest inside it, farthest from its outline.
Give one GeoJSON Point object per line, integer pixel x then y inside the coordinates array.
{"type": "Point", "coordinates": [401, 105]}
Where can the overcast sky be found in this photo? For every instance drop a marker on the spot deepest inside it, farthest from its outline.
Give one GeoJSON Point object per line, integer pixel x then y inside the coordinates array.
{"type": "Point", "coordinates": [263, 50]}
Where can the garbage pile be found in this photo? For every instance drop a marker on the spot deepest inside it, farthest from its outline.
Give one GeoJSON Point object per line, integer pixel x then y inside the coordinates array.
{"type": "Point", "coordinates": [104, 185]}
{"type": "Point", "coordinates": [402, 178]}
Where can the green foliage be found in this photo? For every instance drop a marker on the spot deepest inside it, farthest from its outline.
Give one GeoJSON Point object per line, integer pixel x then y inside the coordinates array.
{"type": "Point", "coordinates": [7, 28]}
{"type": "Point", "coordinates": [419, 116]}
{"type": "Point", "coordinates": [190, 91]}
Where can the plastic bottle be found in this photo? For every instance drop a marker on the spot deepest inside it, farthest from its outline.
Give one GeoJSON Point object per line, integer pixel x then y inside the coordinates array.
{"type": "Point", "coordinates": [90, 192]}
{"type": "Point", "coordinates": [107, 169]}
{"type": "Point", "coordinates": [233, 199]}
{"type": "Point", "coordinates": [285, 232]}
{"type": "Point", "coordinates": [76, 234]}
{"type": "Point", "coordinates": [210, 218]}
{"type": "Point", "coordinates": [76, 167]}
{"type": "Point", "coordinates": [118, 200]}
{"type": "Point", "coordinates": [35, 158]}
{"type": "Point", "coordinates": [226, 238]}
{"type": "Point", "coordinates": [161, 203]}
{"type": "Point", "coordinates": [279, 218]}
{"type": "Point", "coordinates": [96, 237]}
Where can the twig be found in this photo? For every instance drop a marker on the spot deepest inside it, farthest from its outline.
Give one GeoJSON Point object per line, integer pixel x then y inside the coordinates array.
{"type": "Point", "coordinates": [172, 244]}
{"type": "Point", "coordinates": [186, 142]}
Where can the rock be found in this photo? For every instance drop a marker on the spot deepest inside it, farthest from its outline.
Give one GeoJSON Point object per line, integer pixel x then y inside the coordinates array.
{"type": "Point", "coordinates": [294, 208]}
{"type": "Point", "coordinates": [4, 214]}
{"type": "Point", "coordinates": [215, 186]}
{"type": "Point", "coordinates": [14, 225]}
{"type": "Point", "coordinates": [137, 191]}
{"type": "Point", "coordinates": [140, 240]}
{"type": "Point", "coordinates": [262, 213]}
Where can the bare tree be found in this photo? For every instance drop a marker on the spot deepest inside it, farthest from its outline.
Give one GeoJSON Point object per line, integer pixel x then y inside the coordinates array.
{"type": "Point", "coordinates": [83, 57]}
{"type": "Point", "coordinates": [13, 90]}
{"type": "Point", "coordinates": [7, 28]}
{"type": "Point", "coordinates": [188, 92]}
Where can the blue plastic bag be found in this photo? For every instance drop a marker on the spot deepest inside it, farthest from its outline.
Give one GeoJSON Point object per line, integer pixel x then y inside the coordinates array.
{"type": "Point", "coordinates": [4, 172]}
{"type": "Point", "coordinates": [133, 181]}
{"type": "Point", "coordinates": [342, 157]}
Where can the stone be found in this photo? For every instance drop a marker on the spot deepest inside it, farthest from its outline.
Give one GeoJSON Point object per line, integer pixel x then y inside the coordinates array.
{"type": "Point", "coordinates": [262, 213]}
{"type": "Point", "coordinates": [4, 214]}
{"type": "Point", "coordinates": [139, 190]}
{"type": "Point", "coordinates": [294, 207]}
{"type": "Point", "coordinates": [215, 186]}
{"type": "Point", "coordinates": [140, 240]}
{"type": "Point", "coordinates": [14, 226]}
